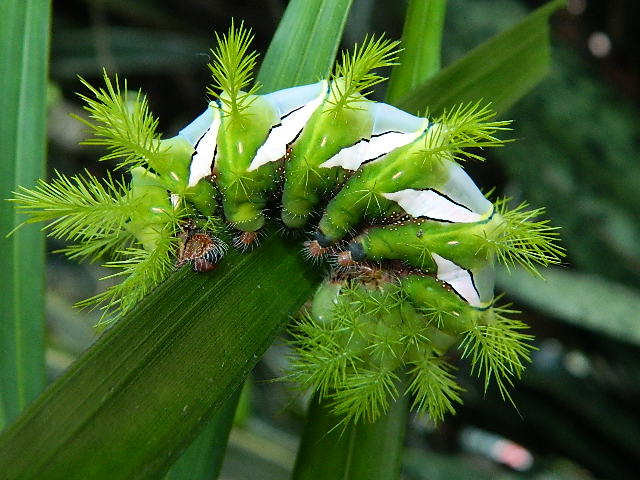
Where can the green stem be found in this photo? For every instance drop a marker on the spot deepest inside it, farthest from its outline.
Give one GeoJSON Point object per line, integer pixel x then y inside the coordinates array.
{"type": "Point", "coordinates": [329, 449]}
{"type": "Point", "coordinates": [203, 459]}
{"type": "Point", "coordinates": [421, 43]}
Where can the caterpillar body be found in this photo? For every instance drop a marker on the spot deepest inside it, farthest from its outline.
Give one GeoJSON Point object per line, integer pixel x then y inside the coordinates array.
{"type": "Point", "coordinates": [412, 238]}
{"type": "Point", "coordinates": [381, 158]}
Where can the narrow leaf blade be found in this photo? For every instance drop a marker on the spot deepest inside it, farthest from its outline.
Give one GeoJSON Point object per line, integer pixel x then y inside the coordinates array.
{"type": "Point", "coordinates": [499, 71]}
{"type": "Point", "coordinates": [24, 49]}
{"type": "Point", "coordinates": [421, 47]}
{"type": "Point", "coordinates": [305, 43]}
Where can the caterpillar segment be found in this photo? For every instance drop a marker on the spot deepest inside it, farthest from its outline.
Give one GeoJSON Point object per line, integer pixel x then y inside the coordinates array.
{"type": "Point", "coordinates": [416, 240]}
{"type": "Point", "coordinates": [399, 184]}
{"type": "Point", "coordinates": [336, 143]}
{"type": "Point", "coordinates": [443, 305]}
{"type": "Point", "coordinates": [154, 208]}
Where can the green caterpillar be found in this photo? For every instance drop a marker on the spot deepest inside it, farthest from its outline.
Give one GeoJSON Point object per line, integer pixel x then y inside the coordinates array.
{"type": "Point", "coordinates": [413, 239]}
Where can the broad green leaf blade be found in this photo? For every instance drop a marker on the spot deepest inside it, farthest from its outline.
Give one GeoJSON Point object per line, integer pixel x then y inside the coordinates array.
{"type": "Point", "coordinates": [421, 44]}
{"type": "Point", "coordinates": [500, 71]}
{"type": "Point", "coordinates": [587, 301]}
{"type": "Point", "coordinates": [203, 459]}
{"type": "Point", "coordinates": [304, 64]}
{"type": "Point", "coordinates": [330, 450]}
{"type": "Point", "coordinates": [139, 395]}
{"type": "Point", "coordinates": [308, 36]}
{"type": "Point", "coordinates": [24, 50]}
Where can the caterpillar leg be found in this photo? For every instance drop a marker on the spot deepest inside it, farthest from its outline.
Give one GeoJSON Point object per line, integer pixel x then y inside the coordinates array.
{"type": "Point", "coordinates": [199, 248]}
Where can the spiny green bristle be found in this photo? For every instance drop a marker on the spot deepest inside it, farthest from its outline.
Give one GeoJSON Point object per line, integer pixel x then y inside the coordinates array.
{"type": "Point", "coordinates": [524, 240]}
{"type": "Point", "coordinates": [365, 395]}
{"type": "Point", "coordinates": [464, 127]}
{"type": "Point", "coordinates": [437, 314]}
{"type": "Point", "coordinates": [434, 387]}
{"type": "Point", "coordinates": [372, 302]}
{"type": "Point", "coordinates": [320, 362]}
{"type": "Point", "coordinates": [122, 124]}
{"type": "Point", "coordinates": [232, 70]}
{"type": "Point", "coordinates": [354, 75]}
{"type": "Point", "coordinates": [80, 209]}
{"type": "Point", "coordinates": [98, 246]}
{"type": "Point", "coordinates": [498, 349]}
{"type": "Point", "coordinates": [142, 270]}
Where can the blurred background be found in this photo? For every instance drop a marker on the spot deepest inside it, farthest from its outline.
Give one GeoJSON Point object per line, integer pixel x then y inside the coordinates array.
{"type": "Point", "coordinates": [577, 155]}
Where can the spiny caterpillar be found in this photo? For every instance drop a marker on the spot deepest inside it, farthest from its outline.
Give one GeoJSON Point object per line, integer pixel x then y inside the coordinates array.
{"type": "Point", "coordinates": [410, 236]}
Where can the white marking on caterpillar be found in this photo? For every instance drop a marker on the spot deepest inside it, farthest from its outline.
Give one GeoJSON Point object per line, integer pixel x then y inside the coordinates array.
{"type": "Point", "coordinates": [458, 278]}
{"type": "Point", "coordinates": [392, 129]}
{"type": "Point", "coordinates": [205, 150]}
{"type": "Point", "coordinates": [194, 131]}
{"type": "Point", "coordinates": [293, 118]}
{"type": "Point", "coordinates": [433, 205]}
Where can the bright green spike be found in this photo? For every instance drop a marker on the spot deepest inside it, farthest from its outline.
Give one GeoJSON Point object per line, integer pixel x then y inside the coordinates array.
{"type": "Point", "coordinates": [434, 387]}
{"type": "Point", "coordinates": [523, 240]}
{"type": "Point", "coordinates": [354, 75]}
{"type": "Point", "coordinates": [142, 270]}
{"type": "Point", "coordinates": [320, 362]}
{"type": "Point", "coordinates": [498, 348]}
{"type": "Point", "coordinates": [464, 127]}
{"type": "Point", "coordinates": [81, 209]}
{"type": "Point", "coordinates": [365, 395]}
{"type": "Point", "coordinates": [232, 70]}
{"type": "Point", "coordinates": [122, 124]}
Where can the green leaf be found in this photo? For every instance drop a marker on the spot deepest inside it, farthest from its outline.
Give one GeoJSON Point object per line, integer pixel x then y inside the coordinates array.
{"type": "Point", "coordinates": [309, 34]}
{"type": "Point", "coordinates": [421, 42]}
{"type": "Point", "coordinates": [584, 300]}
{"type": "Point", "coordinates": [141, 393]}
{"type": "Point", "coordinates": [499, 71]}
{"type": "Point", "coordinates": [203, 459]}
{"type": "Point", "coordinates": [24, 49]}
{"type": "Point", "coordinates": [331, 449]}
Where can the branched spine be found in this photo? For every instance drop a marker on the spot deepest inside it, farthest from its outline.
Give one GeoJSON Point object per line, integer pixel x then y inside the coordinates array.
{"type": "Point", "coordinates": [355, 74]}
{"type": "Point", "coordinates": [124, 125]}
{"type": "Point", "coordinates": [232, 71]}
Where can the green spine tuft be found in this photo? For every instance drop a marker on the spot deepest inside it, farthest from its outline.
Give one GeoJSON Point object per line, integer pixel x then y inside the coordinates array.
{"type": "Point", "coordinates": [232, 71]}
{"type": "Point", "coordinates": [354, 75]}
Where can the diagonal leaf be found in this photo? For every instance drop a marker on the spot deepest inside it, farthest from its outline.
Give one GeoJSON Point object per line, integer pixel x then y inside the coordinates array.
{"type": "Point", "coordinates": [138, 396]}
{"type": "Point", "coordinates": [330, 449]}
{"type": "Point", "coordinates": [24, 50]}
{"type": "Point", "coordinates": [587, 301]}
{"type": "Point", "coordinates": [500, 71]}
{"type": "Point", "coordinates": [421, 43]}
{"type": "Point", "coordinates": [308, 35]}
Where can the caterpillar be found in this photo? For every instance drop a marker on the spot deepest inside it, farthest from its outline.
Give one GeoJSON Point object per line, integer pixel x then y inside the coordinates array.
{"type": "Point", "coordinates": [411, 238]}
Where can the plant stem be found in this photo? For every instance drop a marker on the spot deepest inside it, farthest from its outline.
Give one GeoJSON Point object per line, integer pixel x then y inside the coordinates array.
{"type": "Point", "coordinates": [329, 449]}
